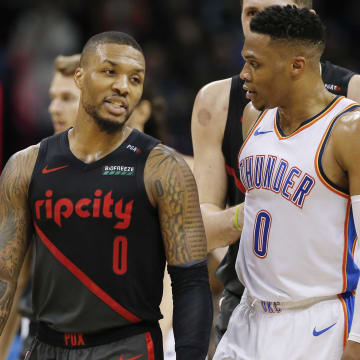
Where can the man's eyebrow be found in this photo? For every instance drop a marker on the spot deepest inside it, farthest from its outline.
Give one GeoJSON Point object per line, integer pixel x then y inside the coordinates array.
{"type": "Point", "coordinates": [116, 64]}
{"type": "Point", "coordinates": [110, 62]}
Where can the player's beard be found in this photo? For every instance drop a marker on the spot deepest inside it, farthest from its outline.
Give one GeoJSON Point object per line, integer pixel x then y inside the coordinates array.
{"type": "Point", "coordinates": [105, 125]}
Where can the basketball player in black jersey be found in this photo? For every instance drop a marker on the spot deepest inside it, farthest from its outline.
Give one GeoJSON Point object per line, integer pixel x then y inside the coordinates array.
{"type": "Point", "coordinates": [217, 139]}
{"type": "Point", "coordinates": [108, 206]}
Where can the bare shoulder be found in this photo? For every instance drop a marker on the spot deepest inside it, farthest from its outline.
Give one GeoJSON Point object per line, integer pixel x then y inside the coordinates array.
{"type": "Point", "coordinates": [250, 116]}
{"type": "Point", "coordinates": [348, 123]}
{"type": "Point", "coordinates": [353, 92]}
{"type": "Point", "coordinates": [17, 172]}
{"type": "Point", "coordinates": [345, 136]}
{"type": "Point", "coordinates": [164, 167]}
{"type": "Point", "coordinates": [211, 107]}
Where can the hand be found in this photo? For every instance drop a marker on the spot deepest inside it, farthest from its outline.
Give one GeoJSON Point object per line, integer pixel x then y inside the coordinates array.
{"type": "Point", "coordinates": [352, 351]}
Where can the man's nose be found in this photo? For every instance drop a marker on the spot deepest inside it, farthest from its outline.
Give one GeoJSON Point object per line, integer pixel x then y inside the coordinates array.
{"type": "Point", "coordinates": [245, 73]}
{"type": "Point", "coordinates": [121, 85]}
{"type": "Point", "coordinates": [54, 106]}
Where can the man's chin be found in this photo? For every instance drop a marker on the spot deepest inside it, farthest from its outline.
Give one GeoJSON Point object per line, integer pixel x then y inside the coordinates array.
{"type": "Point", "coordinates": [108, 125]}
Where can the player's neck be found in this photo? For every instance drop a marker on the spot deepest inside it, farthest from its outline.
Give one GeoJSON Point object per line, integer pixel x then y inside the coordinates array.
{"type": "Point", "coordinates": [303, 106]}
{"type": "Point", "coordinates": [89, 144]}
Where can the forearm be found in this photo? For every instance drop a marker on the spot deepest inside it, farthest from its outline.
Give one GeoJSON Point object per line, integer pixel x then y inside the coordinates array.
{"type": "Point", "coordinates": [7, 292]}
{"type": "Point", "coordinates": [10, 328]}
{"type": "Point", "coordinates": [220, 226]}
{"type": "Point", "coordinates": [355, 327]}
{"type": "Point", "coordinates": [14, 318]}
{"type": "Point", "coordinates": [193, 310]}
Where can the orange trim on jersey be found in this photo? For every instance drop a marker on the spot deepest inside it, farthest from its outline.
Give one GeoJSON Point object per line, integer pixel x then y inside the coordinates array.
{"type": "Point", "coordinates": [354, 246]}
{"type": "Point", "coordinates": [346, 244]}
{"type": "Point", "coordinates": [252, 130]}
{"type": "Point", "coordinates": [318, 172]}
{"type": "Point", "coordinates": [305, 126]}
{"type": "Point", "coordinates": [346, 322]}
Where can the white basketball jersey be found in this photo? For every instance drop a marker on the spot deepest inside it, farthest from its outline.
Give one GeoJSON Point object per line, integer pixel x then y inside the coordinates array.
{"type": "Point", "coordinates": [299, 235]}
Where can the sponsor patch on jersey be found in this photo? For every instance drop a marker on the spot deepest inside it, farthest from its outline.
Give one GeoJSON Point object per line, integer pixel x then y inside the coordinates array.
{"type": "Point", "coordinates": [333, 87]}
{"type": "Point", "coordinates": [118, 170]}
{"type": "Point", "coordinates": [135, 149]}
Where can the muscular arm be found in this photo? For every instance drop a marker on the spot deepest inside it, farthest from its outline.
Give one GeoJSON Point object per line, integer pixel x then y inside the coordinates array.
{"type": "Point", "coordinates": [13, 322]}
{"type": "Point", "coordinates": [354, 88]}
{"type": "Point", "coordinates": [15, 225]}
{"type": "Point", "coordinates": [172, 189]}
{"type": "Point", "coordinates": [207, 128]}
{"type": "Point", "coordinates": [347, 153]}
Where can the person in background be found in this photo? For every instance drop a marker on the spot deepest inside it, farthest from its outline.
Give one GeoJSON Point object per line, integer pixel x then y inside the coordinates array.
{"type": "Point", "coordinates": [64, 101]}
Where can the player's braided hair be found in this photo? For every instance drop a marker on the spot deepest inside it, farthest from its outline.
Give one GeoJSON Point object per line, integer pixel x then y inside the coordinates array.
{"type": "Point", "coordinates": [290, 23]}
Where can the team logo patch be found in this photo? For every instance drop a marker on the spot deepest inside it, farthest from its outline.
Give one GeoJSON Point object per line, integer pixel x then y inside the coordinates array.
{"type": "Point", "coordinates": [119, 170]}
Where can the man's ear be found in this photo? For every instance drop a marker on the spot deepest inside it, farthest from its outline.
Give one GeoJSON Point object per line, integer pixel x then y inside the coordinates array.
{"type": "Point", "coordinates": [78, 77]}
{"type": "Point", "coordinates": [298, 65]}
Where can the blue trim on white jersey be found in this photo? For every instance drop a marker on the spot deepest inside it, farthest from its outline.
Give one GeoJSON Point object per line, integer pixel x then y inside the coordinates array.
{"type": "Point", "coordinates": [352, 270]}
{"type": "Point", "coordinates": [349, 299]}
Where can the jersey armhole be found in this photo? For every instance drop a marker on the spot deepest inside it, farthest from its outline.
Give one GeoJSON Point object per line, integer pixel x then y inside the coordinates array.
{"type": "Point", "coordinates": [319, 154]}
{"type": "Point", "coordinates": [39, 161]}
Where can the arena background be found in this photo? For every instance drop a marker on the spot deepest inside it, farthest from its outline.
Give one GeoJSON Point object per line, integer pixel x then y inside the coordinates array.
{"type": "Point", "coordinates": [187, 43]}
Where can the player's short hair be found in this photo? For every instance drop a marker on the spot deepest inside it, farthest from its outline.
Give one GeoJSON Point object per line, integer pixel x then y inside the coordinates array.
{"type": "Point", "coordinates": [66, 65]}
{"type": "Point", "coordinates": [108, 37]}
{"type": "Point", "coordinates": [300, 3]}
{"type": "Point", "coordinates": [292, 24]}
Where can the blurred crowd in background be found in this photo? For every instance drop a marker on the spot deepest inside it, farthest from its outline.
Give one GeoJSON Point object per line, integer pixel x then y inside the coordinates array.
{"type": "Point", "coordinates": [187, 43]}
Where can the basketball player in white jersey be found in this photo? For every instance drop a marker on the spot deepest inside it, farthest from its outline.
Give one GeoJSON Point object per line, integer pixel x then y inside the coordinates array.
{"type": "Point", "coordinates": [299, 166]}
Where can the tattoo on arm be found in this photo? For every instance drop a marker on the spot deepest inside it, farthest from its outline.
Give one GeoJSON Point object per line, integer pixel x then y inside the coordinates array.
{"type": "Point", "coordinates": [174, 188]}
{"type": "Point", "coordinates": [14, 225]}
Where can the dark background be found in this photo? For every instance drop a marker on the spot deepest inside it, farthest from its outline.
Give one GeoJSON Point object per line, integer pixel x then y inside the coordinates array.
{"type": "Point", "coordinates": [187, 43]}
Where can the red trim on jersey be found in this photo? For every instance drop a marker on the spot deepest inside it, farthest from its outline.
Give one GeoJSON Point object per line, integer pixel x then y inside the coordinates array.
{"type": "Point", "coordinates": [238, 183]}
{"type": "Point", "coordinates": [79, 274]}
{"type": "Point", "coordinates": [150, 346]}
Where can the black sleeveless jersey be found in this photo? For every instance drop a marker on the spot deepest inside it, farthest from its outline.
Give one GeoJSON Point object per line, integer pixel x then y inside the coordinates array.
{"type": "Point", "coordinates": [100, 258]}
{"type": "Point", "coordinates": [336, 80]}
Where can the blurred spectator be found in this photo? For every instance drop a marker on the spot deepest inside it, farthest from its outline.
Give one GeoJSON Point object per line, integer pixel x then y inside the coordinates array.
{"type": "Point", "coordinates": [187, 44]}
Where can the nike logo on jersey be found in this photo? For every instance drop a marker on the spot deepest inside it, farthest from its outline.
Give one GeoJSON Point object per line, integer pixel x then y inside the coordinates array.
{"type": "Point", "coordinates": [132, 358]}
{"type": "Point", "coordinates": [317, 333]}
{"type": "Point", "coordinates": [45, 170]}
{"type": "Point", "coordinates": [258, 132]}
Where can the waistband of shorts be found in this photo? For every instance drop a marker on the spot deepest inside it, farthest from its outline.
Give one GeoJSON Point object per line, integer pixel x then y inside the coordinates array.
{"type": "Point", "coordinates": [278, 306]}
{"type": "Point", "coordinates": [76, 340]}
{"type": "Point", "coordinates": [33, 328]}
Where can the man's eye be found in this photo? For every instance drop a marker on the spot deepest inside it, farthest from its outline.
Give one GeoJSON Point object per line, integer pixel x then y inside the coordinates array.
{"type": "Point", "coordinates": [251, 13]}
{"type": "Point", "coordinates": [109, 71]}
{"type": "Point", "coordinates": [136, 80]}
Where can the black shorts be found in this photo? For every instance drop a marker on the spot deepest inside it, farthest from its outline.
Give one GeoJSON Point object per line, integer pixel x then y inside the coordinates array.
{"type": "Point", "coordinates": [52, 345]}
{"type": "Point", "coordinates": [228, 302]}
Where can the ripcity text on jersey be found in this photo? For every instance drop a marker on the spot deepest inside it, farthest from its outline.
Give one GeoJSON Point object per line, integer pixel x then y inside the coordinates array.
{"type": "Point", "coordinates": [299, 236]}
